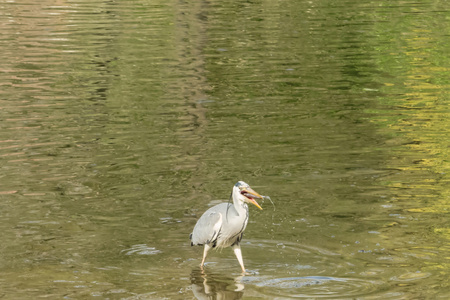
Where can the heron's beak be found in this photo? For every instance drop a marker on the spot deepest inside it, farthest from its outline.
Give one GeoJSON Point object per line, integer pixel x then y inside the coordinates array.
{"type": "Point", "coordinates": [251, 196]}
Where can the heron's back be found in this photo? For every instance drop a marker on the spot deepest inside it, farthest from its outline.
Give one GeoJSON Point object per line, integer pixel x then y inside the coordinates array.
{"type": "Point", "coordinates": [220, 226]}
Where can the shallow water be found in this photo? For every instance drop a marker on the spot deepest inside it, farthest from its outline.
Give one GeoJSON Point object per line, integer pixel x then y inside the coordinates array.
{"type": "Point", "coordinates": [122, 122]}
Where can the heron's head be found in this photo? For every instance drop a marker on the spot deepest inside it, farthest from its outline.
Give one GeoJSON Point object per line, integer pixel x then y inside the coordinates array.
{"type": "Point", "coordinates": [245, 193]}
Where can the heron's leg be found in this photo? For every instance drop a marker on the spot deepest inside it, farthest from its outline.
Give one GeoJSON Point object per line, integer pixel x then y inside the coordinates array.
{"type": "Point", "coordinates": [205, 252]}
{"type": "Point", "coordinates": [238, 253]}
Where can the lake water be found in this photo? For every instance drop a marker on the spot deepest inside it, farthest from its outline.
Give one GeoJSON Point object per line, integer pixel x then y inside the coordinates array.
{"type": "Point", "coordinates": [121, 122]}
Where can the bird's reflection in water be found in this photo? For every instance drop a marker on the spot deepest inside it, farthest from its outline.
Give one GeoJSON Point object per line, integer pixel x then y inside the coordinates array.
{"type": "Point", "coordinates": [206, 285]}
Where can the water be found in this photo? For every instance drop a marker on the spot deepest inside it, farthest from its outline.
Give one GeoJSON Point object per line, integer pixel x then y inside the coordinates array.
{"type": "Point", "coordinates": [122, 122]}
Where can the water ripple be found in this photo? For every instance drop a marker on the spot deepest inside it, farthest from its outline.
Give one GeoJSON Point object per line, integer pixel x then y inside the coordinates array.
{"type": "Point", "coordinates": [315, 286]}
{"type": "Point", "coordinates": [141, 249]}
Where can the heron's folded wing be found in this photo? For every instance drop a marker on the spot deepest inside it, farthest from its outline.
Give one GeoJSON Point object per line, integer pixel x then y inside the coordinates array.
{"type": "Point", "coordinates": [207, 228]}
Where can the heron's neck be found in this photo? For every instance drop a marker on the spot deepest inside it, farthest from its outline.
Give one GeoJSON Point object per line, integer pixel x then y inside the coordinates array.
{"type": "Point", "coordinates": [241, 207]}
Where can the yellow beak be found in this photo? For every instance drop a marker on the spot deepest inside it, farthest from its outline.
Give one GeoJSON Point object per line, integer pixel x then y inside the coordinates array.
{"type": "Point", "coordinates": [251, 196]}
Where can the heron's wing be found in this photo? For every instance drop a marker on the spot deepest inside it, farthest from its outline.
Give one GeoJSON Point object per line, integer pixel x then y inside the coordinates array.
{"type": "Point", "coordinates": [207, 228]}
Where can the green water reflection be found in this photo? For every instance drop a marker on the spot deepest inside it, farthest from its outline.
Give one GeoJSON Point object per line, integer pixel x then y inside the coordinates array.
{"type": "Point", "coordinates": [121, 122]}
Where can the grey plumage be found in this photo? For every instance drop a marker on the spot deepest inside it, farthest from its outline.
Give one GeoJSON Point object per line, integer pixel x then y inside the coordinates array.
{"type": "Point", "coordinates": [223, 225]}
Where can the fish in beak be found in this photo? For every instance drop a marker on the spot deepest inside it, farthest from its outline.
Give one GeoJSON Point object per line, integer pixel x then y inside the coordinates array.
{"type": "Point", "coordinates": [251, 195]}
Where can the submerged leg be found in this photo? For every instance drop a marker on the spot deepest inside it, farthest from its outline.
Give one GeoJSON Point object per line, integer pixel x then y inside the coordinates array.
{"type": "Point", "coordinates": [238, 253]}
{"type": "Point", "coordinates": [205, 252]}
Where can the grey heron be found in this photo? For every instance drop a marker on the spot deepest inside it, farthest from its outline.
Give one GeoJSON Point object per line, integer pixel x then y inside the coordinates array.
{"type": "Point", "coordinates": [223, 225]}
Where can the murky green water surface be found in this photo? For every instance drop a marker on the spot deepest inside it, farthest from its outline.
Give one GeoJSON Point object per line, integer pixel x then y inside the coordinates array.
{"type": "Point", "coordinates": [121, 122]}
